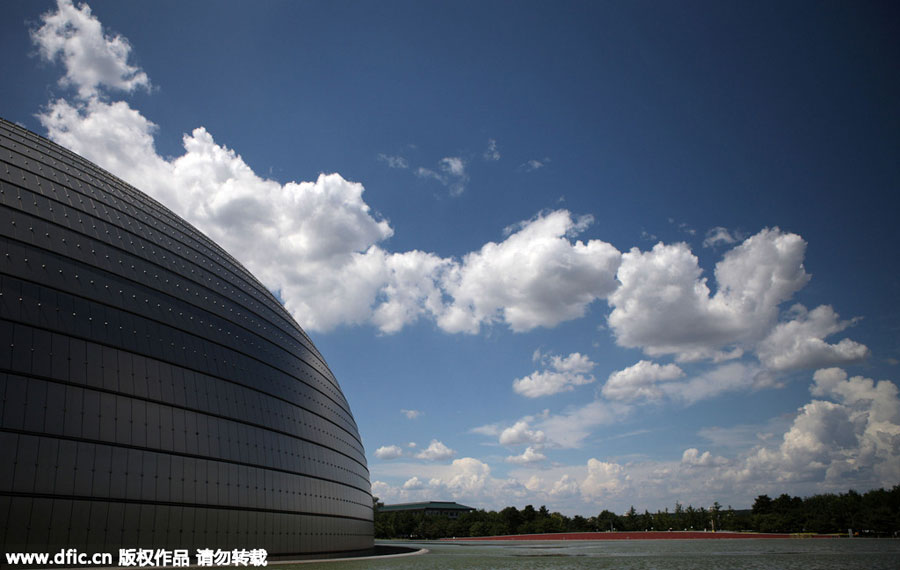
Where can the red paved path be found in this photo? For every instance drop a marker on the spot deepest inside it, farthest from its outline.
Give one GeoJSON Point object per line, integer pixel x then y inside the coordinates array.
{"type": "Point", "coordinates": [650, 535]}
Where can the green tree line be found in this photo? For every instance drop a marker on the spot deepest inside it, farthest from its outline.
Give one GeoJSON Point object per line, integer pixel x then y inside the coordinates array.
{"type": "Point", "coordinates": [875, 513]}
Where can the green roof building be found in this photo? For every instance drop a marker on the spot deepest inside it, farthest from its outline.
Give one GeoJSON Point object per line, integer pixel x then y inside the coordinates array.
{"type": "Point", "coordinates": [441, 508]}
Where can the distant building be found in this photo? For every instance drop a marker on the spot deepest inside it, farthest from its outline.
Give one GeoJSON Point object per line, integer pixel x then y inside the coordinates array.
{"type": "Point", "coordinates": [441, 508]}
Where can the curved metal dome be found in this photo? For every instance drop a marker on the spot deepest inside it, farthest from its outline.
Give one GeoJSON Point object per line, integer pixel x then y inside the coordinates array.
{"type": "Point", "coordinates": [154, 393]}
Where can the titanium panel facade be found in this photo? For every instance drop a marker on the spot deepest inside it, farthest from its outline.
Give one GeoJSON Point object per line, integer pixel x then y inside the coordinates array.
{"type": "Point", "coordinates": [153, 394]}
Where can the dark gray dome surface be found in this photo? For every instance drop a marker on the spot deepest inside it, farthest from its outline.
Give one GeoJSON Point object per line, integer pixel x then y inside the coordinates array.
{"type": "Point", "coordinates": [154, 393]}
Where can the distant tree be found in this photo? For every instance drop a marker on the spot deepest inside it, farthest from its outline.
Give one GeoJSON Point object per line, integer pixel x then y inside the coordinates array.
{"type": "Point", "coordinates": [608, 520]}
{"type": "Point", "coordinates": [851, 508]}
{"type": "Point", "coordinates": [714, 516]}
{"type": "Point", "coordinates": [646, 521]}
{"type": "Point", "coordinates": [579, 524]}
{"type": "Point", "coordinates": [703, 518]}
{"type": "Point", "coordinates": [874, 513]}
{"type": "Point", "coordinates": [662, 520]}
{"type": "Point", "coordinates": [630, 520]}
{"type": "Point", "coordinates": [762, 505]}
{"type": "Point", "coordinates": [696, 518]}
{"type": "Point", "coordinates": [512, 518]}
{"type": "Point", "coordinates": [479, 528]}
{"type": "Point", "coordinates": [497, 525]}
{"type": "Point", "coordinates": [729, 519]}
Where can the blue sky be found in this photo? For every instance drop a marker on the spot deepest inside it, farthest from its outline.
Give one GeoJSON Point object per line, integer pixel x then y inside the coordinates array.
{"type": "Point", "coordinates": [587, 255]}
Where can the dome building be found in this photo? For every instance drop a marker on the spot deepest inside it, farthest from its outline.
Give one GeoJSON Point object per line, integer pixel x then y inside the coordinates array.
{"type": "Point", "coordinates": [153, 393]}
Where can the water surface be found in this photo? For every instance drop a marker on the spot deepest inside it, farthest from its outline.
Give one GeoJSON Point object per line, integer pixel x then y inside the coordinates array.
{"type": "Point", "coordinates": [758, 554]}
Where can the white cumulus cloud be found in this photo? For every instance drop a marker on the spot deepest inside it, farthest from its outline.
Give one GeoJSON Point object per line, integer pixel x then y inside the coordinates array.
{"type": "Point", "coordinates": [318, 243]}
{"type": "Point", "coordinates": [799, 342]}
{"type": "Point", "coordinates": [561, 375]}
{"type": "Point", "coordinates": [466, 476]}
{"type": "Point", "coordinates": [92, 58]}
{"type": "Point", "coordinates": [694, 458]}
{"type": "Point", "coordinates": [530, 455]}
{"type": "Point", "coordinates": [521, 432]}
{"type": "Point", "coordinates": [852, 437]}
{"type": "Point", "coordinates": [879, 398]}
{"type": "Point", "coordinates": [640, 381]}
{"type": "Point", "coordinates": [436, 451]}
{"type": "Point", "coordinates": [320, 246]}
{"type": "Point", "coordinates": [535, 277]}
{"type": "Point", "coordinates": [603, 479]}
{"type": "Point", "coordinates": [664, 305]}
{"type": "Point", "coordinates": [413, 484]}
{"type": "Point", "coordinates": [389, 452]}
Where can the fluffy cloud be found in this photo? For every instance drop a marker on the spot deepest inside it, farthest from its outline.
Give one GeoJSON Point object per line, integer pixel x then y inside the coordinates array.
{"type": "Point", "coordinates": [92, 58]}
{"type": "Point", "coordinates": [410, 289]}
{"type": "Point", "coordinates": [317, 243]}
{"type": "Point", "coordinates": [530, 455]}
{"type": "Point", "coordinates": [594, 482]}
{"type": "Point", "coordinates": [847, 437]}
{"type": "Point", "coordinates": [413, 484]}
{"type": "Point", "coordinates": [116, 137]}
{"type": "Point", "coordinates": [822, 437]}
{"type": "Point", "coordinates": [566, 486]}
{"type": "Point", "coordinates": [640, 381]}
{"type": "Point", "coordinates": [851, 439]}
{"type": "Point", "coordinates": [521, 432]}
{"type": "Point", "coordinates": [570, 428]}
{"type": "Point", "coordinates": [465, 479]}
{"type": "Point", "coordinates": [694, 458]}
{"type": "Point", "coordinates": [465, 476]}
{"type": "Point", "coordinates": [799, 343]}
{"type": "Point", "coordinates": [603, 479]}
{"type": "Point", "coordinates": [436, 451]}
{"type": "Point", "coordinates": [879, 399]}
{"type": "Point", "coordinates": [389, 452]}
{"type": "Point", "coordinates": [564, 373]}
{"type": "Point", "coordinates": [411, 414]}
{"type": "Point", "coordinates": [311, 241]}
{"type": "Point", "coordinates": [648, 381]}
{"type": "Point", "coordinates": [664, 306]}
{"type": "Point", "coordinates": [320, 246]}
{"type": "Point", "coordinates": [535, 277]}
